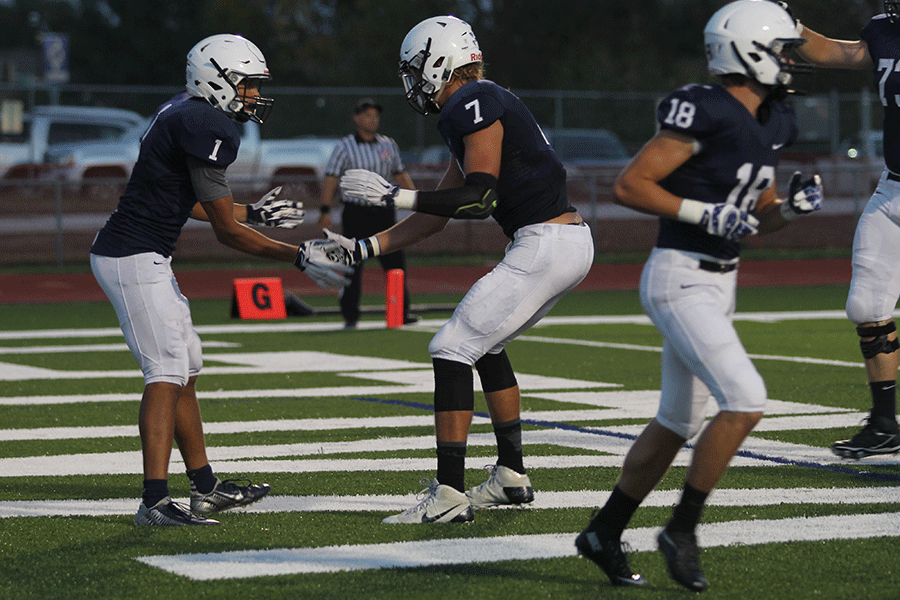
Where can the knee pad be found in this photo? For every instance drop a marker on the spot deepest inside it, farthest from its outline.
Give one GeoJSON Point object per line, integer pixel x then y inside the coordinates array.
{"type": "Point", "coordinates": [880, 344]}
{"type": "Point", "coordinates": [452, 386]}
{"type": "Point", "coordinates": [495, 372]}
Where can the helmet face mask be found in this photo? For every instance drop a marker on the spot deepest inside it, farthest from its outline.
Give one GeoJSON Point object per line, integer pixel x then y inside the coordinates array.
{"type": "Point", "coordinates": [420, 94]}
{"type": "Point", "coordinates": [892, 10]}
{"type": "Point", "coordinates": [428, 56]}
{"type": "Point", "coordinates": [223, 69]}
{"type": "Point", "coordinates": [754, 38]}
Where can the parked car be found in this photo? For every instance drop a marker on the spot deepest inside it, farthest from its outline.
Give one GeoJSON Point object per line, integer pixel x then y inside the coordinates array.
{"type": "Point", "coordinates": [587, 148]}
{"type": "Point", "coordinates": [593, 159]}
{"type": "Point", "coordinates": [22, 148]}
{"type": "Point", "coordinates": [854, 170]}
{"type": "Point", "coordinates": [103, 167]}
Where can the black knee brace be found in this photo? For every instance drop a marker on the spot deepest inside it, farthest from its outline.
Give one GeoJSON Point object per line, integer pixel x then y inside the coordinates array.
{"type": "Point", "coordinates": [495, 372]}
{"type": "Point", "coordinates": [452, 386]}
{"type": "Point", "coordinates": [880, 344]}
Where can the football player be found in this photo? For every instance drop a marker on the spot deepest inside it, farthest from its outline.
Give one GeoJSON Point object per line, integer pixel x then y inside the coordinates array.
{"type": "Point", "coordinates": [875, 285]}
{"type": "Point", "coordinates": [502, 167]}
{"type": "Point", "coordinates": [709, 174]}
{"type": "Point", "coordinates": [180, 173]}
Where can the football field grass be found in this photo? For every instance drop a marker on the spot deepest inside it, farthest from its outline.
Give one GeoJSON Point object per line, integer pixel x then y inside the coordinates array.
{"type": "Point", "coordinates": [340, 424]}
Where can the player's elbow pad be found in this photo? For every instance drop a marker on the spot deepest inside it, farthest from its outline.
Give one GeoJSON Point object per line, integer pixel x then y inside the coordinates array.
{"type": "Point", "coordinates": [475, 200]}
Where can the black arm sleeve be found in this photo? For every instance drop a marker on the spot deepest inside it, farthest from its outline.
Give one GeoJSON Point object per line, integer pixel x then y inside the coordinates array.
{"type": "Point", "coordinates": [475, 200]}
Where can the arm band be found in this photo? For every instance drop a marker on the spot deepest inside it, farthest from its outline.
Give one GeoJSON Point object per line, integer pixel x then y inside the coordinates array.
{"type": "Point", "coordinates": [325, 209]}
{"type": "Point", "coordinates": [368, 248]}
{"type": "Point", "coordinates": [475, 200]}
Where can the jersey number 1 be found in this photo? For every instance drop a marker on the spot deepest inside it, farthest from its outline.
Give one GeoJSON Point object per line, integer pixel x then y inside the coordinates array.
{"type": "Point", "coordinates": [215, 152]}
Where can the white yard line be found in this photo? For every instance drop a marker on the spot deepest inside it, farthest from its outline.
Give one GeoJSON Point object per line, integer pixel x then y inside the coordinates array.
{"type": "Point", "coordinates": [543, 500]}
{"type": "Point", "coordinates": [613, 442]}
{"type": "Point", "coordinates": [122, 347]}
{"type": "Point", "coordinates": [773, 423]}
{"type": "Point", "coordinates": [290, 327]}
{"type": "Point", "coordinates": [330, 559]}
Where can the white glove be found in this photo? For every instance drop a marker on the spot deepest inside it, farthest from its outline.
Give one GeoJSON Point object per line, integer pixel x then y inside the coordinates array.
{"type": "Point", "coordinates": [272, 211]}
{"type": "Point", "coordinates": [325, 262]}
{"type": "Point", "coordinates": [803, 197]}
{"type": "Point", "coordinates": [723, 220]}
{"type": "Point", "coordinates": [359, 186]}
{"type": "Point", "coordinates": [357, 250]}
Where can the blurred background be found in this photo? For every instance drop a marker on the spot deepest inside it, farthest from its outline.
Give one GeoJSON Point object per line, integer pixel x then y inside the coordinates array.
{"type": "Point", "coordinates": [591, 72]}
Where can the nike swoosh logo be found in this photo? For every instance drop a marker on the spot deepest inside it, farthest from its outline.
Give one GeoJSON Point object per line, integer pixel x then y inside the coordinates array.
{"type": "Point", "coordinates": [159, 263]}
{"type": "Point", "coordinates": [684, 286]}
{"type": "Point", "coordinates": [777, 146]}
{"type": "Point", "coordinates": [427, 519]}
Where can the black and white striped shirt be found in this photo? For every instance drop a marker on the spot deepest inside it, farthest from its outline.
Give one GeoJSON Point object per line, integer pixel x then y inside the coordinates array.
{"type": "Point", "coordinates": [381, 155]}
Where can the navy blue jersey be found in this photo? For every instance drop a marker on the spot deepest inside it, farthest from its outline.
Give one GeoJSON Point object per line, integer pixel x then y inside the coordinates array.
{"type": "Point", "coordinates": [883, 40]}
{"type": "Point", "coordinates": [734, 161]}
{"type": "Point", "coordinates": [159, 196]}
{"type": "Point", "coordinates": [532, 182]}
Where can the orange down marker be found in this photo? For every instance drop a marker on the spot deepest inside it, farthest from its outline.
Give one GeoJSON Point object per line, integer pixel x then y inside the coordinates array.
{"type": "Point", "coordinates": [393, 309]}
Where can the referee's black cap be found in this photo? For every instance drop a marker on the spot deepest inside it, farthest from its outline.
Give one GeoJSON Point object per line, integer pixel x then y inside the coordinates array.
{"type": "Point", "coordinates": [365, 104]}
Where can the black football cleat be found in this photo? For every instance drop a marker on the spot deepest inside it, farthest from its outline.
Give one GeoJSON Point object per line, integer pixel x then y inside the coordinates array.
{"type": "Point", "coordinates": [683, 559]}
{"type": "Point", "coordinates": [879, 436]}
{"type": "Point", "coordinates": [608, 554]}
{"type": "Point", "coordinates": [227, 494]}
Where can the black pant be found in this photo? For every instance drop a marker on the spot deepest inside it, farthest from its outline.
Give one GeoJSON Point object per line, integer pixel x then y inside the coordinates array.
{"type": "Point", "coordinates": [361, 222]}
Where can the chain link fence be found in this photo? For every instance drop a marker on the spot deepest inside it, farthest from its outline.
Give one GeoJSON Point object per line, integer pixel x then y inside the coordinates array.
{"type": "Point", "coordinates": [48, 222]}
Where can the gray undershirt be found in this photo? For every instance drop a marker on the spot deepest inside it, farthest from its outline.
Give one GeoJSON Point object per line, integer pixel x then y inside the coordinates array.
{"type": "Point", "coordinates": [210, 182]}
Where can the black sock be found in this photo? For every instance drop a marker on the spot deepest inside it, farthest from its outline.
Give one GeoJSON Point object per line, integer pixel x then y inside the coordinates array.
{"type": "Point", "coordinates": [154, 491]}
{"type": "Point", "coordinates": [509, 445]}
{"type": "Point", "coordinates": [611, 520]}
{"type": "Point", "coordinates": [884, 399]}
{"type": "Point", "coordinates": [203, 479]}
{"type": "Point", "coordinates": [687, 513]}
{"type": "Point", "coordinates": [451, 464]}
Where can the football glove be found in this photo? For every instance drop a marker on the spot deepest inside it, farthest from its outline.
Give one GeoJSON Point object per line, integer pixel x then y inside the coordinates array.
{"type": "Point", "coordinates": [359, 186]}
{"type": "Point", "coordinates": [324, 261]}
{"type": "Point", "coordinates": [803, 198]}
{"type": "Point", "coordinates": [723, 220]}
{"type": "Point", "coordinates": [356, 251]}
{"type": "Point", "coordinates": [272, 211]}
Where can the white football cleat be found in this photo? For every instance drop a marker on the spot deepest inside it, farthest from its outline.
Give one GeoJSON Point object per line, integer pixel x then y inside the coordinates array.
{"type": "Point", "coordinates": [439, 504]}
{"type": "Point", "coordinates": [503, 487]}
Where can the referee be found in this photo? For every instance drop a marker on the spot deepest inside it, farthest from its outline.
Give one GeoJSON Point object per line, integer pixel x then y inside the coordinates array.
{"type": "Point", "coordinates": [365, 149]}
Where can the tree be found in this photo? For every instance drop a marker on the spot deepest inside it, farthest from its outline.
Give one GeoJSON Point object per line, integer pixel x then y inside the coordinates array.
{"type": "Point", "coordinates": [605, 45]}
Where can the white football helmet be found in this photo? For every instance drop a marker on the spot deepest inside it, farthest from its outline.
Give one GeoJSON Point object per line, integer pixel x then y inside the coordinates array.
{"type": "Point", "coordinates": [754, 38]}
{"type": "Point", "coordinates": [429, 54]}
{"type": "Point", "coordinates": [215, 67]}
{"type": "Point", "coordinates": [892, 10]}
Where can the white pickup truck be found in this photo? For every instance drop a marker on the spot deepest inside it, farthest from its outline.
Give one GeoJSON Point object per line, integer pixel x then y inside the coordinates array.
{"type": "Point", "coordinates": [24, 140]}
{"type": "Point", "coordinates": [101, 168]}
